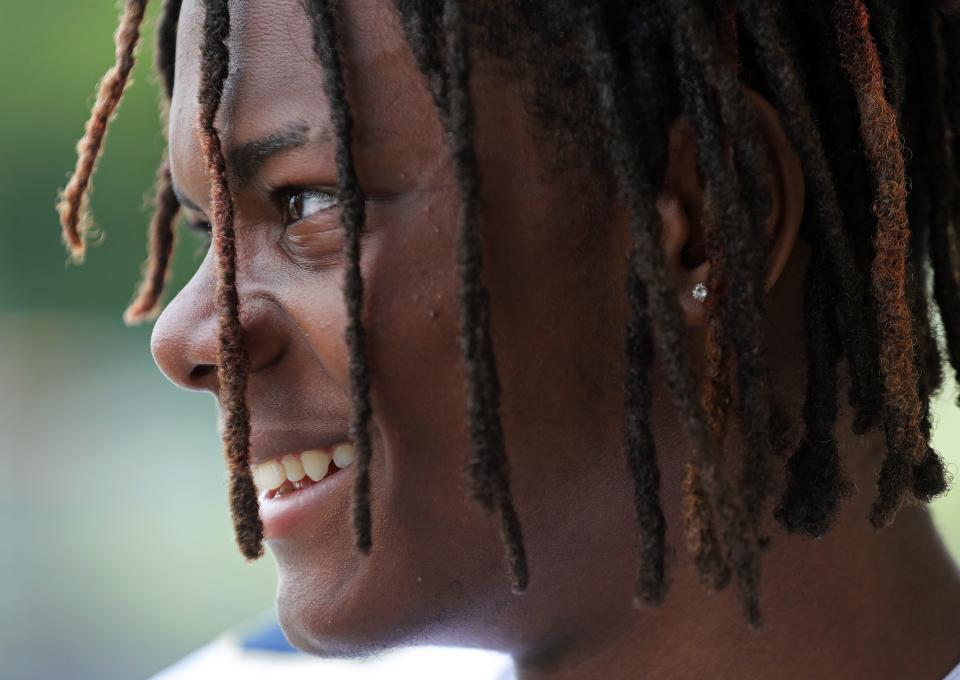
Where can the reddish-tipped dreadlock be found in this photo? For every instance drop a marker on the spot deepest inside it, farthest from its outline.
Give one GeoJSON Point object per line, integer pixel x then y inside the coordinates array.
{"type": "Point", "coordinates": [232, 361]}
{"type": "Point", "coordinates": [743, 197]}
{"type": "Point", "coordinates": [73, 202]}
{"type": "Point", "coordinates": [905, 443]}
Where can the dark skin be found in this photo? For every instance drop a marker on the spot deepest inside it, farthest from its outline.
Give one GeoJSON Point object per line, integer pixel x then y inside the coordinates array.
{"type": "Point", "coordinates": [855, 604]}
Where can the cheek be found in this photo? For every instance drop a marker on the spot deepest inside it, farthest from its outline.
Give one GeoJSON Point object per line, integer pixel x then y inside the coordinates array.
{"type": "Point", "coordinates": [418, 384]}
{"type": "Point", "coordinates": [316, 304]}
{"type": "Point", "coordinates": [410, 316]}
{"type": "Point", "coordinates": [422, 515]}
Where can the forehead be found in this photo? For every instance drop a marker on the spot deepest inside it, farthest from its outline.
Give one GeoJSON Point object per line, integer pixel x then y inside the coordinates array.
{"type": "Point", "coordinates": [274, 73]}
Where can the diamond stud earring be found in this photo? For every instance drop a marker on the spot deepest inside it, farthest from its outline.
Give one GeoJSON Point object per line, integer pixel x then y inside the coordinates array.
{"type": "Point", "coordinates": [700, 292]}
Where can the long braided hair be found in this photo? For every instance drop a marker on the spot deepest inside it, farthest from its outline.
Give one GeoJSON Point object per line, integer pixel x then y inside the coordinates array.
{"type": "Point", "coordinates": [869, 92]}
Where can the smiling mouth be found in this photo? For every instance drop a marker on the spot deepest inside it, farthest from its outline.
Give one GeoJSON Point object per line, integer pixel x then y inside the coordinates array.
{"type": "Point", "coordinates": [287, 475]}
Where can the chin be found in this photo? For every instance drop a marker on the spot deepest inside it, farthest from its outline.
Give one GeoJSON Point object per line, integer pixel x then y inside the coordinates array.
{"type": "Point", "coordinates": [342, 609]}
{"type": "Point", "coordinates": [309, 631]}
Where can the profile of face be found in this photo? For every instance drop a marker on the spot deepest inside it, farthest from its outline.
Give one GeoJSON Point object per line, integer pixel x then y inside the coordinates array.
{"type": "Point", "coordinates": [555, 247]}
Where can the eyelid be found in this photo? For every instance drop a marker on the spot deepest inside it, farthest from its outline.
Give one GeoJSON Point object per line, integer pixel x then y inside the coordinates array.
{"type": "Point", "coordinates": [200, 226]}
{"type": "Point", "coordinates": [286, 194]}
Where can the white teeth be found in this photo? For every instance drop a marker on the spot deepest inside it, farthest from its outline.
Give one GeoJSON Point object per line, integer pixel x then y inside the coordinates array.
{"type": "Point", "coordinates": [294, 468]}
{"type": "Point", "coordinates": [315, 464]}
{"type": "Point", "coordinates": [269, 475]}
{"type": "Point", "coordinates": [344, 455]}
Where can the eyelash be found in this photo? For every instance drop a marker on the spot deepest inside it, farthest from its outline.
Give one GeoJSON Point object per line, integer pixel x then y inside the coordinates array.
{"type": "Point", "coordinates": [204, 229]}
{"type": "Point", "coordinates": [284, 198]}
{"type": "Point", "coordinates": [287, 196]}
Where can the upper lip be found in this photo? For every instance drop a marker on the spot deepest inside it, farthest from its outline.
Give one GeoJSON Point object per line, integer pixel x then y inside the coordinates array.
{"type": "Point", "coordinates": [275, 441]}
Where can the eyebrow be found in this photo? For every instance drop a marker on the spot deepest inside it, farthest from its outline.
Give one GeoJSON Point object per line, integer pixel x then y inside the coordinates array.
{"type": "Point", "coordinates": [245, 160]}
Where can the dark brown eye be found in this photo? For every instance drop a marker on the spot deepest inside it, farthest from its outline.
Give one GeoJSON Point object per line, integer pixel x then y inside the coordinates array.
{"type": "Point", "coordinates": [300, 204]}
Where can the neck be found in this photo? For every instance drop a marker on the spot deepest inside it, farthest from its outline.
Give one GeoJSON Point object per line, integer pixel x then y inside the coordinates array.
{"type": "Point", "coordinates": [855, 604]}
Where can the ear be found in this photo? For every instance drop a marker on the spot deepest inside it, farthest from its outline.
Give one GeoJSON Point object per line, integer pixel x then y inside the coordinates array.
{"type": "Point", "coordinates": [681, 207]}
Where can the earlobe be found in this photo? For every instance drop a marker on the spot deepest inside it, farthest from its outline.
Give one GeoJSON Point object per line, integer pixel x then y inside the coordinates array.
{"type": "Point", "coordinates": [682, 210]}
{"type": "Point", "coordinates": [688, 267]}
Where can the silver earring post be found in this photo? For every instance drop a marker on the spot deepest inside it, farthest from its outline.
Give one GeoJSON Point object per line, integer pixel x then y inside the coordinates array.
{"type": "Point", "coordinates": [700, 292]}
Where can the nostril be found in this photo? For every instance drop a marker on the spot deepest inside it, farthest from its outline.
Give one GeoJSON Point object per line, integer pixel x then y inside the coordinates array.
{"type": "Point", "coordinates": [201, 373]}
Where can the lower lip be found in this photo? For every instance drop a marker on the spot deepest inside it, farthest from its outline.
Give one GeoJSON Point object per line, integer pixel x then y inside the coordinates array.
{"type": "Point", "coordinates": [281, 516]}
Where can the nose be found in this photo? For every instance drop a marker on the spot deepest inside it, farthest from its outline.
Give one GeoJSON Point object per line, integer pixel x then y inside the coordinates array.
{"type": "Point", "coordinates": [185, 338]}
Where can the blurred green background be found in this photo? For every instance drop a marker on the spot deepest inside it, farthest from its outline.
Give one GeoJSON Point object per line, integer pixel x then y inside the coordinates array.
{"type": "Point", "coordinates": [119, 556]}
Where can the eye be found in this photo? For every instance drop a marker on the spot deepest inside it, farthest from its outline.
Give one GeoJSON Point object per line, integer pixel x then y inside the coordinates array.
{"type": "Point", "coordinates": [204, 230]}
{"type": "Point", "coordinates": [202, 227]}
{"type": "Point", "coordinates": [300, 204]}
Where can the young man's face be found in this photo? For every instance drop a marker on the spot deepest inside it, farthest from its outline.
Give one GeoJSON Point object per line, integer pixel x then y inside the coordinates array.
{"type": "Point", "coordinates": [555, 257]}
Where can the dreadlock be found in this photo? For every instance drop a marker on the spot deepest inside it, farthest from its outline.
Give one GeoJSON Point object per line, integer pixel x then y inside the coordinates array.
{"type": "Point", "coordinates": [162, 235]}
{"type": "Point", "coordinates": [741, 188]}
{"type": "Point", "coordinates": [232, 361]}
{"type": "Point", "coordinates": [864, 87]}
{"type": "Point", "coordinates": [352, 202]}
{"type": "Point", "coordinates": [446, 65]}
{"type": "Point", "coordinates": [944, 122]}
{"type": "Point", "coordinates": [725, 214]}
{"type": "Point", "coordinates": [489, 465]}
{"type": "Point", "coordinates": [702, 542]}
{"type": "Point", "coordinates": [73, 202]}
{"type": "Point", "coordinates": [841, 226]}
{"type": "Point", "coordinates": [815, 482]}
{"type": "Point", "coordinates": [905, 444]}
{"type": "Point", "coordinates": [648, 269]}
{"type": "Point", "coordinates": [162, 238]}
{"type": "Point", "coordinates": [930, 233]}
{"type": "Point", "coordinates": [166, 45]}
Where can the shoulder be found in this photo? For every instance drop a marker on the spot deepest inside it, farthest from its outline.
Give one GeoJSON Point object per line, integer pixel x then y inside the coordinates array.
{"type": "Point", "coordinates": [263, 651]}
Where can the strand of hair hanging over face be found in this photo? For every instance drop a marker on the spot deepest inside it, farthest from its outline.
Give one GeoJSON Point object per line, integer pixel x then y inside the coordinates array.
{"type": "Point", "coordinates": [74, 201]}
{"type": "Point", "coordinates": [232, 361]}
{"type": "Point", "coordinates": [161, 241]}
{"type": "Point", "coordinates": [437, 33]}
{"type": "Point", "coordinates": [422, 25]}
{"type": "Point", "coordinates": [166, 59]}
{"type": "Point", "coordinates": [906, 446]}
{"type": "Point", "coordinates": [489, 468]}
{"type": "Point", "coordinates": [162, 234]}
{"type": "Point", "coordinates": [326, 41]}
